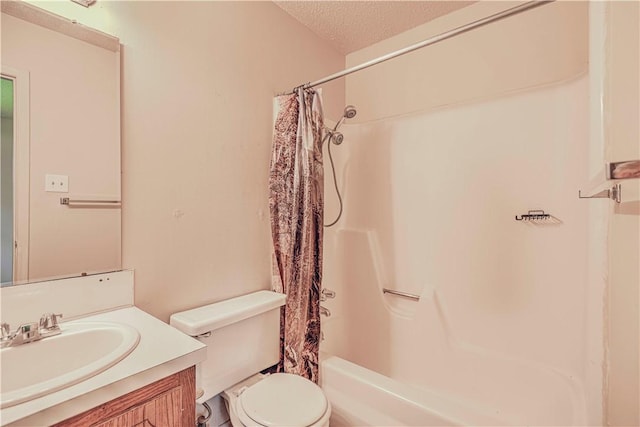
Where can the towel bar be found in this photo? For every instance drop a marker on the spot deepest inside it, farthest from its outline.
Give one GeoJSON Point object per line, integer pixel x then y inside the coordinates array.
{"type": "Point", "coordinates": [67, 201]}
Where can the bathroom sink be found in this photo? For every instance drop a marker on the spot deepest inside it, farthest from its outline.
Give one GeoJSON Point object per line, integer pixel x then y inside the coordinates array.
{"type": "Point", "coordinates": [82, 350]}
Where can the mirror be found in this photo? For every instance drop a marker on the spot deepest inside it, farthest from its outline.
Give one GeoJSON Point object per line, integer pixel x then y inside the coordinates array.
{"type": "Point", "coordinates": [60, 157]}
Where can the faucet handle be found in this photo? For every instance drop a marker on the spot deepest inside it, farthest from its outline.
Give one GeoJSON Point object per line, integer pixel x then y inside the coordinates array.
{"type": "Point", "coordinates": [6, 330]}
{"type": "Point", "coordinates": [327, 294]}
{"type": "Point", "coordinates": [324, 311]}
{"type": "Point", "coordinates": [49, 321]}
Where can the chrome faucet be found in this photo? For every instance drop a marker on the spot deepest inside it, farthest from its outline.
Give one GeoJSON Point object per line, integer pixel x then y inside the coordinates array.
{"type": "Point", "coordinates": [6, 330]}
{"type": "Point", "coordinates": [327, 294]}
{"type": "Point", "coordinates": [29, 332]}
{"type": "Point", "coordinates": [324, 295]}
{"type": "Point", "coordinates": [49, 323]}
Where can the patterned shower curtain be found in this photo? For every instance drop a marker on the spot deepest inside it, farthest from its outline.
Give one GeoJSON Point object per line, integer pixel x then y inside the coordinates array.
{"type": "Point", "coordinates": [296, 206]}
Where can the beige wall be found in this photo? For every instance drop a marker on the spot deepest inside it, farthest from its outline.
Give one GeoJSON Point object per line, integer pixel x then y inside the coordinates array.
{"type": "Point", "coordinates": [74, 131]}
{"type": "Point", "coordinates": [622, 136]}
{"type": "Point", "coordinates": [541, 46]}
{"type": "Point", "coordinates": [197, 141]}
{"type": "Point", "coordinates": [197, 88]}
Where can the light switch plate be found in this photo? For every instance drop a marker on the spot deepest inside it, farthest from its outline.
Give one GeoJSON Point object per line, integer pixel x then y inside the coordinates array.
{"type": "Point", "coordinates": [56, 183]}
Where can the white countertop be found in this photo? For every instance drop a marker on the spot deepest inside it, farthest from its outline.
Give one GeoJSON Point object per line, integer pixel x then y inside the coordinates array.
{"type": "Point", "coordinates": [162, 351]}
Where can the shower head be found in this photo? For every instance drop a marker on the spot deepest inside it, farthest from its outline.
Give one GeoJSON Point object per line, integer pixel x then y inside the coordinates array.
{"type": "Point", "coordinates": [334, 136]}
{"type": "Point", "coordinates": [337, 138]}
{"type": "Point", "coordinates": [350, 112]}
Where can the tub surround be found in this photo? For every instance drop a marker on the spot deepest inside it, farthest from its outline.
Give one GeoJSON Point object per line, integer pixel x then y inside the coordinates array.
{"type": "Point", "coordinates": [95, 298]}
{"type": "Point", "coordinates": [496, 301]}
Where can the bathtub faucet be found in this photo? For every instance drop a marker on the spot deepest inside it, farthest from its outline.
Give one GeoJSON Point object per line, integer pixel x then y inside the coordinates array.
{"type": "Point", "coordinates": [327, 294]}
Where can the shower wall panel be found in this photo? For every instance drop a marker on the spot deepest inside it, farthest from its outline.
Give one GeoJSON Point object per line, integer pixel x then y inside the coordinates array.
{"type": "Point", "coordinates": [430, 206]}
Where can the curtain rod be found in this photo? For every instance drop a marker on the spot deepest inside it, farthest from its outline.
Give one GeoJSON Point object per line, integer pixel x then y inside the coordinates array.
{"type": "Point", "coordinates": [432, 40]}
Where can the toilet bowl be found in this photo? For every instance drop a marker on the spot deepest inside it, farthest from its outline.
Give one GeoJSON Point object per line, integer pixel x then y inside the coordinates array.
{"type": "Point", "coordinates": [243, 337]}
{"type": "Point", "coordinates": [280, 400]}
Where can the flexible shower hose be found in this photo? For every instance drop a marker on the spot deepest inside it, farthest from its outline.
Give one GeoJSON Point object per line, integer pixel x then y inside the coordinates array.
{"type": "Point", "coordinates": [335, 181]}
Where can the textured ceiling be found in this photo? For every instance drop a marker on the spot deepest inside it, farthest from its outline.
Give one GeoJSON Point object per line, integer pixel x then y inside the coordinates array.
{"type": "Point", "coordinates": [352, 25]}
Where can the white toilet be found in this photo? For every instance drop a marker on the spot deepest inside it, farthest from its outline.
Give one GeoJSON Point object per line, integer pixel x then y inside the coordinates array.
{"type": "Point", "coordinates": [242, 336]}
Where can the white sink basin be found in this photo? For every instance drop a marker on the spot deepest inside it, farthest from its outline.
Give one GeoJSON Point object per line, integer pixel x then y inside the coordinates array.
{"type": "Point", "coordinates": [82, 350]}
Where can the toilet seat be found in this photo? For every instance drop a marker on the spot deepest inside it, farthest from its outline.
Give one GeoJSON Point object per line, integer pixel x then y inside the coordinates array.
{"type": "Point", "coordinates": [281, 400]}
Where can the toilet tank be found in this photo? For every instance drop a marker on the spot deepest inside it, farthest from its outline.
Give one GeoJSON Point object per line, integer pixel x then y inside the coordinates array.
{"type": "Point", "coordinates": [242, 335]}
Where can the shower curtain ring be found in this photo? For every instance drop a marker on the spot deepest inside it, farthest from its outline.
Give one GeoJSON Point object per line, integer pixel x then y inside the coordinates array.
{"type": "Point", "coordinates": [302, 86]}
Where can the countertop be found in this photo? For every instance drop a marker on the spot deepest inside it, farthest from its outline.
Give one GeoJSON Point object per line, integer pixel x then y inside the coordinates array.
{"type": "Point", "coordinates": [162, 351]}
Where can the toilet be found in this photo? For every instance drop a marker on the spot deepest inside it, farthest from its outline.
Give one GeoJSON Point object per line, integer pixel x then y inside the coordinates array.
{"type": "Point", "coordinates": [242, 336]}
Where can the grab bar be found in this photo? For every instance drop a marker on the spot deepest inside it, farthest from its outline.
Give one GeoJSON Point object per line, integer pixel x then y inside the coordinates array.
{"type": "Point", "coordinates": [401, 294]}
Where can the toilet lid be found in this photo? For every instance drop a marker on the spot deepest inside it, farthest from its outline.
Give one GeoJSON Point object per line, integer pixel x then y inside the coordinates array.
{"type": "Point", "coordinates": [284, 400]}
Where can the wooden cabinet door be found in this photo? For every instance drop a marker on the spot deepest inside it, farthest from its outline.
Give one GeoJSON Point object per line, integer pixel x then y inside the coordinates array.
{"type": "Point", "coordinates": [163, 411]}
{"type": "Point", "coordinates": [169, 402]}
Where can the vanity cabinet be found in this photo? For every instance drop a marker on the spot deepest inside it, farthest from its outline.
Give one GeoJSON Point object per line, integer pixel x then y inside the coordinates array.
{"type": "Point", "coordinates": [169, 402]}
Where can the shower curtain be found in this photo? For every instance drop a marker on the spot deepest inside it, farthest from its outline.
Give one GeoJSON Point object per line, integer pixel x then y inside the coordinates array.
{"type": "Point", "coordinates": [296, 208]}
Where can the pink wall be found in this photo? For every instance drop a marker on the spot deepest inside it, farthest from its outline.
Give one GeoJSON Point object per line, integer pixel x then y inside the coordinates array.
{"type": "Point", "coordinates": [74, 116]}
{"type": "Point", "coordinates": [197, 85]}
{"type": "Point", "coordinates": [197, 140]}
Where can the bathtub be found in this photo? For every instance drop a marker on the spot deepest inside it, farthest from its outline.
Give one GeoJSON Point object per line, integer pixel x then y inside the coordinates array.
{"type": "Point", "coordinates": [361, 397]}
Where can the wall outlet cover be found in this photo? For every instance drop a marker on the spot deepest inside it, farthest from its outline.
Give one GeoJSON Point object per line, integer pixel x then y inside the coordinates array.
{"type": "Point", "coordinates": [56, 183]}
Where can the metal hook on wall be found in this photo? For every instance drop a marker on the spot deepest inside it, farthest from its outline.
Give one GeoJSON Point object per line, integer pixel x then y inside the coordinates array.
{"type": "Point", "coordinates": [613, 193]}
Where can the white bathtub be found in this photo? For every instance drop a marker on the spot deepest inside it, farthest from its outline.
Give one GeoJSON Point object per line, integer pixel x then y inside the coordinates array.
{"type": "Point", "coordinates": [360, 397]}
